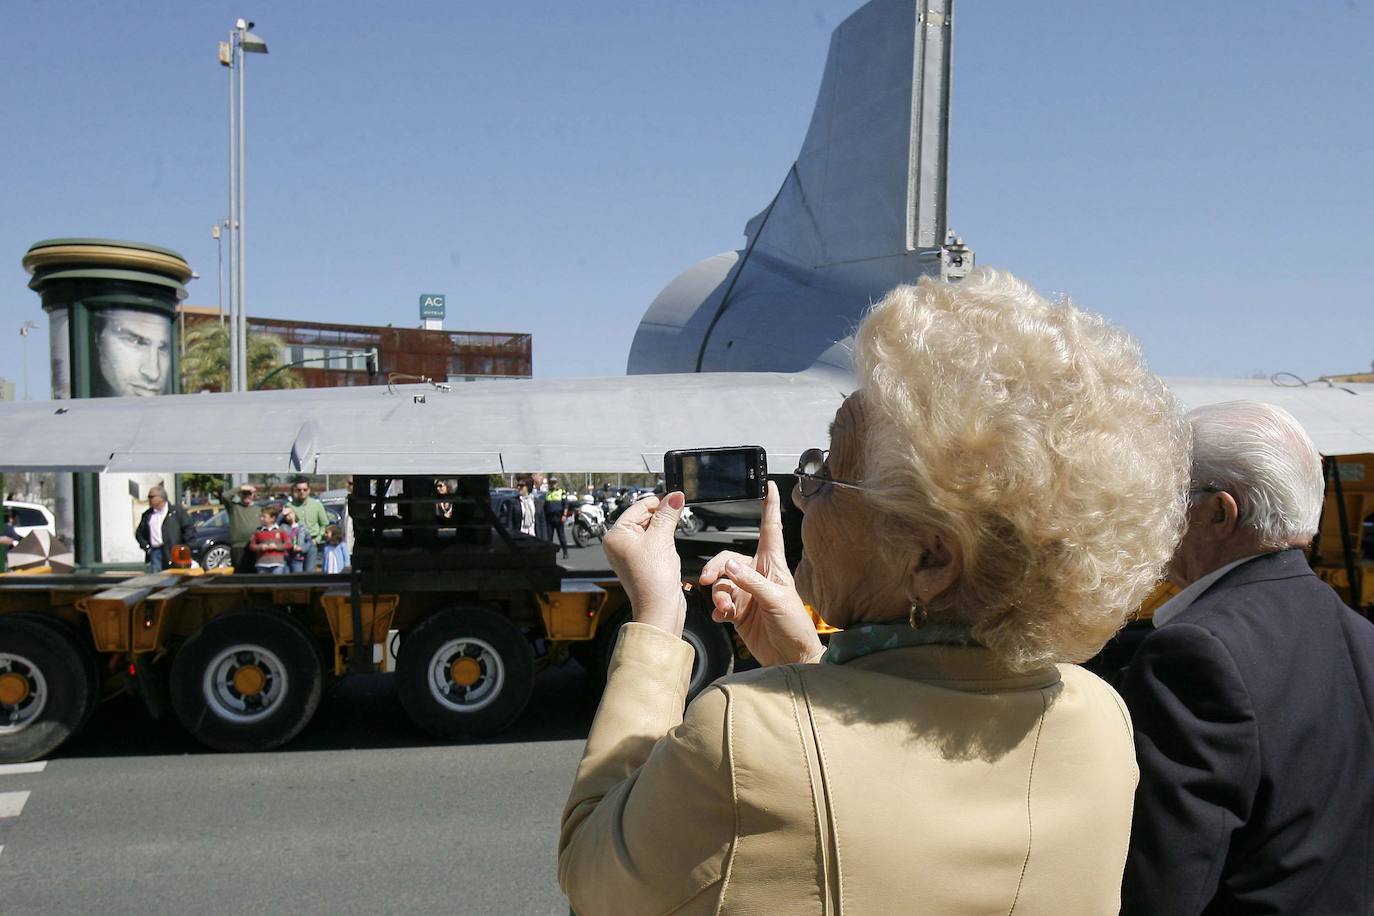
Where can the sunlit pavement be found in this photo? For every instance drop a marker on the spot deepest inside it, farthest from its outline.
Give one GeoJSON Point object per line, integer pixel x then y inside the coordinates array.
{"type": "Point", "coordinates": [360, 814]}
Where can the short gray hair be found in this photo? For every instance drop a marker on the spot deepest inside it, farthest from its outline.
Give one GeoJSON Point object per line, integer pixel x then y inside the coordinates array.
{"type": "Point", "coordinates": [1261, 455]}
{"type": "Point", "coordinates": [156, 490]}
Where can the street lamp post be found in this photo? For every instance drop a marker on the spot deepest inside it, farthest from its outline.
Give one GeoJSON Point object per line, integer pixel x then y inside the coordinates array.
{"type": "Point", "coordinates": [241, 41]}
{"type": "Point", "coordinates": [24, 330]}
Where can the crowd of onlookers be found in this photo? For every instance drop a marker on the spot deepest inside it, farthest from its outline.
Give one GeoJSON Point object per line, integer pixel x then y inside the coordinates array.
{"type": "Point", "coordinates": [294, 535]}
{"type": "Point", "coordinates": [541, 506]}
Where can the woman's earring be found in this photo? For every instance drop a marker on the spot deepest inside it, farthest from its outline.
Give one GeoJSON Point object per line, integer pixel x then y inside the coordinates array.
{"type": "Point", "coordinates": [918, 615]}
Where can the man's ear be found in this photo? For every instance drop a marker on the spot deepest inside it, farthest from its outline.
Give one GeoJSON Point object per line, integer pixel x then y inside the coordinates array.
{"type": "Point", "coordinates": [1223, 516]}
{"type": "Point", "coordinates": [936, 565]}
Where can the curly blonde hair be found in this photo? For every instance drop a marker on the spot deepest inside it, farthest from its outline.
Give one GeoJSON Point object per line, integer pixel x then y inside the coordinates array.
{"type": "Point", "coordinates": [1030, 433]}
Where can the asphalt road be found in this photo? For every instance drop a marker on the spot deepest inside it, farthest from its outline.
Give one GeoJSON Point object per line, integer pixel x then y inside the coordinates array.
{"type": "Point", "coordinates": [361, 813]}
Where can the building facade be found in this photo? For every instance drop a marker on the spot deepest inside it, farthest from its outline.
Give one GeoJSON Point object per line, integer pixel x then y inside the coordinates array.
{"type": "Point", "coordinates": [336, 355]}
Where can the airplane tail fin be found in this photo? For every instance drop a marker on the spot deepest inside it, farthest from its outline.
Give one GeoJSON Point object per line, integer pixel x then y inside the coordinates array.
{"type": "Point", "coordinates": [870, 179]}
{"type": "Point", "coordinates": [861, 210]}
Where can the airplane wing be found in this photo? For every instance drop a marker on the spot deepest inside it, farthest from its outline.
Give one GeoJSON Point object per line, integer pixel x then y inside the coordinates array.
{"type": "Point", "coordinates": [1339, 418]}
{"type": "Point", "coordinates": [602, 425]}
{"type": "Point", "coordinates": [593, 425]}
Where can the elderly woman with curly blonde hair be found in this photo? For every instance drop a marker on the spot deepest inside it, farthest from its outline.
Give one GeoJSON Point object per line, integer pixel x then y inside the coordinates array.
{"type": "Point", "coordinates": [1001, 491]}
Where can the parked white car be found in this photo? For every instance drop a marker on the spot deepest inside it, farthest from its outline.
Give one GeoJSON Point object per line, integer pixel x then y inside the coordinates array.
{"type": "Point", "coordinates": [31, 516]}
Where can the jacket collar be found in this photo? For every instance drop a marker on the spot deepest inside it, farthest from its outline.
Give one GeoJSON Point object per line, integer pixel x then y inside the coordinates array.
{"type": "Point", "coordinates": [1282, 564]}
{"type": "Point", "coordinates": [968, 668]}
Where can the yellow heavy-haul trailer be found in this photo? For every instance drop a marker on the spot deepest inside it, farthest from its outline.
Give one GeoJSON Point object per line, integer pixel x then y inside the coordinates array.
{"type": "Point", "coordinates": [471, 613]}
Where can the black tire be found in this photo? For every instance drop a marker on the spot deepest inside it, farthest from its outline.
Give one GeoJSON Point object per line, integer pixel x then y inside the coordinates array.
{"type": "Point", "coordinates": [582, 533]}
{"type": "Point", "coordinates": [80, 642]}
{"type": "Point", "coordinates": [722, 527]}
{"type": "Point", "coordinates": [216, 556]}
{"type": "Point", "coordinates": [715, 652]}
{"type": "Point", "coordinates": [464, 671]}
{"type": "Point", "coordinates": [692, 526]}
{"type": "Point", "coordinates": [279, 665]}
{"type": "Point", "coordinates": [45, 689]}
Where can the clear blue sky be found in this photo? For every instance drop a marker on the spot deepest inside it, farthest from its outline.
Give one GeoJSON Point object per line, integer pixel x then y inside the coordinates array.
{"type": "Point", "coordinates": [1200, 172]}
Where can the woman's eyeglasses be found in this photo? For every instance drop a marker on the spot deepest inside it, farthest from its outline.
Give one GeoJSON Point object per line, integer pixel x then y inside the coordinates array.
{"type": "Point", "coordinates": [813, 475]}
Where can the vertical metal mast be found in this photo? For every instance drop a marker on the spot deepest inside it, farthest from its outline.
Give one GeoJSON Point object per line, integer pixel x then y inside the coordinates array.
{"type": "Point", "coordinates": [928, 171]}
{"type": "Point", "coordinates": [241, 331]}
{"type": "Point", "coordinates": [232, 224]}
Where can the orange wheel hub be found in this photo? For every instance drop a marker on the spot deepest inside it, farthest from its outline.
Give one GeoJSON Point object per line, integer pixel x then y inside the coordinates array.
{"type": "Point", "coordinates": [14, 689]}
{"type": "Point", "coordinates": [465, 671]}
{"type": "Point", "coordinates": [249, 680]}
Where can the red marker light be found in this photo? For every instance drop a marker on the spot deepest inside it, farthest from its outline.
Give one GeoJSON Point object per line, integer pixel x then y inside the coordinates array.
{"type": "Point", "coordinates": [133, 672]}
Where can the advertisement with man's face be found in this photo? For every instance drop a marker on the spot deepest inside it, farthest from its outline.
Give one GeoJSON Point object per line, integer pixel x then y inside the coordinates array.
{"type": "Point", "coordinates": [132, 351]}
{"type": "Point", "coordinates": [132, 354]}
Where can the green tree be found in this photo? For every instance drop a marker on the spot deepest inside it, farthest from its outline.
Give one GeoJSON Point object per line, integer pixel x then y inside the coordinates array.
{"type": "Point", "coordinates": [205, 367]}
{"type": "Point", "coordinates": [208, 485]}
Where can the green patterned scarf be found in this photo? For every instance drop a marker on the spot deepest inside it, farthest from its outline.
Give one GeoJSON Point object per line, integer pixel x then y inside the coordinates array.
{"type": "Point", "coordinates": [867, 638]}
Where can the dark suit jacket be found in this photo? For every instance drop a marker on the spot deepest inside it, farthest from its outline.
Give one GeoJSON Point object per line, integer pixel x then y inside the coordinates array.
{"type": "Point", "coordinates": [1254, 726]}
{"type": "Point", "coordinates": [177, 527]}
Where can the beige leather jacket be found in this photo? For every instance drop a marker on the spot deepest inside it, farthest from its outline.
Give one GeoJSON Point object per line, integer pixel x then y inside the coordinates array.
{"type": "Point", "coordinates": [925, 779]}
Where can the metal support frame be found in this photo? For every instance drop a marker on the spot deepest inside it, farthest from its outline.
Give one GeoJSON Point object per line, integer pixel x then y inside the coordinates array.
{"type": "Point", "coordinates": [1347, 548]}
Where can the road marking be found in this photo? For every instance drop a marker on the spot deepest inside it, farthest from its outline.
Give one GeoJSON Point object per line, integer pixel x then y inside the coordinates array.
{"type": "Point", "coordinates": [14, 769]}
{"type": "Point", "coordinates": [12, 803]}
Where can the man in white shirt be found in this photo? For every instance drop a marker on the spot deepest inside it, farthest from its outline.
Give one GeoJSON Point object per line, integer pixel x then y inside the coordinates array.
{"type": "Point", "coordinates": [162, 527]}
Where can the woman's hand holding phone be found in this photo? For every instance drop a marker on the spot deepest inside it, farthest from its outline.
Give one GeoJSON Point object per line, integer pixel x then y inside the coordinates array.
{"type": "Point", "coordinates": [758, 596]}
{"type": "Point", "coordinates": [640, 549]}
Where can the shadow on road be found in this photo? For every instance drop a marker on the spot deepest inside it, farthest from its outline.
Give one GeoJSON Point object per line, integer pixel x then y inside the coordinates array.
{"type": "Point", "coordinates": [359, 712]}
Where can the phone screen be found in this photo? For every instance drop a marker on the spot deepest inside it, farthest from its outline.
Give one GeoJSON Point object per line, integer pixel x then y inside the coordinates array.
{"type": "Point", "coordinates": [717, 474]}
{"type": "Point", "coordinates": [711, 477]}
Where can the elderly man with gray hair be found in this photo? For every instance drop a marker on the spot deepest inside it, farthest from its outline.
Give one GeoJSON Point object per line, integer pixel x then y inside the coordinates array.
{"type": "Point", "coordinates": [1253, 699]}
{"type": "Point", "coordinates": [162, 526]}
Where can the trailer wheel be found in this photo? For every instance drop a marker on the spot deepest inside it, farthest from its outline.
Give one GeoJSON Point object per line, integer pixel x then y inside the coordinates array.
{"type": "Point", "coordinates": [247, 681]}
{"type": "Point", "coordinates": [76, 638]}
{"type": "Point", "coordinates": [464, 671]}
{"type": "Point", "coordinates": [45, 689]}
{"type": "Point", "coordinates": [715, 654]}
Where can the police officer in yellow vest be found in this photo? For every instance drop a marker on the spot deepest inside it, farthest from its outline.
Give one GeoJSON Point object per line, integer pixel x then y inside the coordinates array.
{"type": "Point", "coordinates": [554, 510]}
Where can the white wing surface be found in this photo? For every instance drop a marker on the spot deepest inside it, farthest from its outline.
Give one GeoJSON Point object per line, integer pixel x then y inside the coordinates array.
{"type": "Point", "coordinates": [593, 425]}
{"type": "Point", "coordinates": [1339, 418]}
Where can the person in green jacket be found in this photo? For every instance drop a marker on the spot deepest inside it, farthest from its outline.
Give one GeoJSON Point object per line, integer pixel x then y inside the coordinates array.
{"type": "Point", "coordinates": [311, 515]}
{"type": "Point", "coordinates": [243, 521]}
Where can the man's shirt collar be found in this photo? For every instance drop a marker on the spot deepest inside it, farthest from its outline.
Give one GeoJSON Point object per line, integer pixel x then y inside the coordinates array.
{"type": "Point", "coordinates": [1184, 599]}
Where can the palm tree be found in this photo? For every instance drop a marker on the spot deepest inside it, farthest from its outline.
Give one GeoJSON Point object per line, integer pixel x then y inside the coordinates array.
{"type": "Point", "coordinates": [205, 367]}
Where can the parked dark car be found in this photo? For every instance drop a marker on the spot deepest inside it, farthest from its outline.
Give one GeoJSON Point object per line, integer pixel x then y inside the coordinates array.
{"type": "Point", "coordinates": [210, 543]}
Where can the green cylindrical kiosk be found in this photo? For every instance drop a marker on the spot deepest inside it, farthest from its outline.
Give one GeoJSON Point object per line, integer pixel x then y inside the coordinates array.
{"type": "Point", "coordinates": [112, 320]}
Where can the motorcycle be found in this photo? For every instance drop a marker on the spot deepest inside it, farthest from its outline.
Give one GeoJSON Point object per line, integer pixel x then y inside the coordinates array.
{"type": "Point", "coordinates": [689, 523]}
{"type": "Point", "coordinates": [588, 523]}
